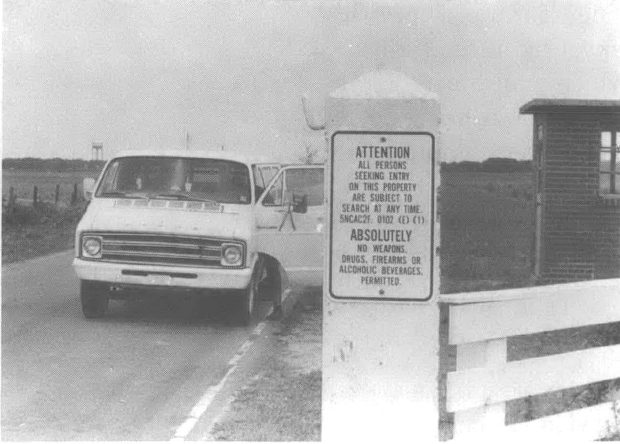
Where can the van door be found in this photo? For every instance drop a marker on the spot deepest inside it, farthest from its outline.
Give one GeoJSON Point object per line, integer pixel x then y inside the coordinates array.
{"type": "Point", "coordinates": [294, 238]}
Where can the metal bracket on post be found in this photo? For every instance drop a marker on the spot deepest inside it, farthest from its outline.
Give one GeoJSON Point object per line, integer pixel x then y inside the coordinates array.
{"type": "Point", "coordinates": [310, 120]}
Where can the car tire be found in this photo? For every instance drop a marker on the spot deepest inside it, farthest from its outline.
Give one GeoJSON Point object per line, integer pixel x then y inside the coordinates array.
{"type": "Point", "coordinates": [94, 297]}
{"type": "Point", "coordinates": [270, 286]}
{"type": "Point", "coordinates": [247, 302]}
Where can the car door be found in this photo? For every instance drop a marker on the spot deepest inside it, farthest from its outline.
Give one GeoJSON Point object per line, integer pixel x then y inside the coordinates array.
{"type": "Point", "coordinates": [294, 238]}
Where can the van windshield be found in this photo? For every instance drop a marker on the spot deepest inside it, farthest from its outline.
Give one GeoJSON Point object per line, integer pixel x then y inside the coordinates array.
{"type": "Point", "coordinates": [216, 180]}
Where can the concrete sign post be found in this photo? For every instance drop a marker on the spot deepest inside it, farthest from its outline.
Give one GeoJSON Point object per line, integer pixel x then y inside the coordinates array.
{"type": "Point", "coordinates": [381, 318]}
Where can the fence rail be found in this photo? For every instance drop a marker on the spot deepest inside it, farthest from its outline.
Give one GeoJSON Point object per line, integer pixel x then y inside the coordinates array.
{"type": "Point", "coordinates": [480, 325]}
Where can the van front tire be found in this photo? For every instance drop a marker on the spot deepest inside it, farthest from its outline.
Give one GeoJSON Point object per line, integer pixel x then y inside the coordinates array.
{"type": "Point", "coordinates": [95, 298]}
{"type": "Point", "coordinates": [247, 302]}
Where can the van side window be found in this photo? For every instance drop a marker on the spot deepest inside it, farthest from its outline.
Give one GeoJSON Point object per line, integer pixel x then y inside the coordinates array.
{"type": "Point", "coordinates": [259, 179]}
{"type": "Point", "coordinates": [308, 181]}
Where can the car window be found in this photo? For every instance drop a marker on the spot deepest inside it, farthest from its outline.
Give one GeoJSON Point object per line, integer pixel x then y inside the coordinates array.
{"type": "Point", "coordinates": [269, 173]}
{"type": "Point", "coordinates": [308, 181]}
{"type": "Point", "coordinates": [259, 178]}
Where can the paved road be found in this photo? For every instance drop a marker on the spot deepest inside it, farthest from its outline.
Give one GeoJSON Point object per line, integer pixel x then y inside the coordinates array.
{"type": "Point", "coordinates": [133, 375]}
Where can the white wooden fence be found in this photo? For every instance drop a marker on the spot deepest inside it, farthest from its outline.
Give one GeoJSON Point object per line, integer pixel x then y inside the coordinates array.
{"type": "Point", "coordinates": [483, 381]}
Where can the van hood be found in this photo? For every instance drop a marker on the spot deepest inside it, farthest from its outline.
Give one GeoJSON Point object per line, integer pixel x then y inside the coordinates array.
{"type": "Point", "coordinates": [161, 216]}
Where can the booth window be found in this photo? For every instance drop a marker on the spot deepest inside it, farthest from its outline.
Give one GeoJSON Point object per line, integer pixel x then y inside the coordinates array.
{"type": "Point", "coordinates": [609, 164]}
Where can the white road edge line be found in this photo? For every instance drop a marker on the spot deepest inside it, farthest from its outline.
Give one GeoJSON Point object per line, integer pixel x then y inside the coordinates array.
{"type": "Point", "coordinates": [207, 398]}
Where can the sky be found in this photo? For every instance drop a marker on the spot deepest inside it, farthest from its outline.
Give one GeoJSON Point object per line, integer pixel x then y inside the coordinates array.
{"type": "Point", "coordinates": [142, 74]}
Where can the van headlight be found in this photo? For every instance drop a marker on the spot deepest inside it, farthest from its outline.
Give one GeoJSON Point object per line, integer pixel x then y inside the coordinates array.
{"type": "Point", "coordinates": [232, 255]}
{"type": "Point", "coordinates": [91, 247]}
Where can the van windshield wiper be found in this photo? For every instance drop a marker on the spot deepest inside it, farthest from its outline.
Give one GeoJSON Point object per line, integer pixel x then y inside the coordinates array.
{"type": "Point", "coordinates": [121, 194]}
{"type": "Point", "coordinates": [182, 196]}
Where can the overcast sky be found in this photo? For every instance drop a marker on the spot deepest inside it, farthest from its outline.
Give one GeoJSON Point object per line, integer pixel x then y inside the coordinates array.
{"type": "Point", "coordinates": [139, 74]}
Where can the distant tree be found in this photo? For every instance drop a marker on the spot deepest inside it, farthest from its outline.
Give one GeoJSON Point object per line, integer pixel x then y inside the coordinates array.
{"type": "Point", "coordinates": [56, 164]}
{"type": "Point", "coordinates": [309, 154]}
{"type": "Point", "coordinates": [499, 165]}
{"type": "Point", "coordinates": [490, 165]}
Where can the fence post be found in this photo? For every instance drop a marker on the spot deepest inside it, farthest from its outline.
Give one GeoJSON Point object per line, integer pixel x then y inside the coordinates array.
{"type": "Point", "coordinates": [35, 192]}
{"type": "Point", "coordinates": [491, 418]}
{"type": "Point", "coordinates": [74, 197]}
{"type": "Point", "coordinates": [57, 196]}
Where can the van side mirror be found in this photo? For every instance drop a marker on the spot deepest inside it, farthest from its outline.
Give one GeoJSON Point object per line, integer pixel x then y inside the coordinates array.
{"type": "Point", "coordinates": [300, 203]}
{"type": "Point", "coordinates": [88, 186]}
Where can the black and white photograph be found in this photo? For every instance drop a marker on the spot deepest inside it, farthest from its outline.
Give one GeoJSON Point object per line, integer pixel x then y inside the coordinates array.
{"type": "Point", "coordinates": [310, 221]}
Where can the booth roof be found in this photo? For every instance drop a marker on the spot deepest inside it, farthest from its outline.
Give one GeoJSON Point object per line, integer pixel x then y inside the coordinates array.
{"type": "Point", "coordinates": [570, 105]}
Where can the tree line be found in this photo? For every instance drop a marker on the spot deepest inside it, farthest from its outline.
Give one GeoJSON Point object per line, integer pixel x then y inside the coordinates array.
{"type": "Point", "coordinates": [56, 164]}
{"type": "Point", "coordinates": [490, 165]}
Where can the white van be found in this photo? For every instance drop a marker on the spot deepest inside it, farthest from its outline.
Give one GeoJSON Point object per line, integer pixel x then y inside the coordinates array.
{"type": "Point", "coordinates": [199, 220]}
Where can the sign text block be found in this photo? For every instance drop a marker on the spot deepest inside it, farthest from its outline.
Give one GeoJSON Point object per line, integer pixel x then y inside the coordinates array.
{"type": "Point", "coordinates": [382, 216]}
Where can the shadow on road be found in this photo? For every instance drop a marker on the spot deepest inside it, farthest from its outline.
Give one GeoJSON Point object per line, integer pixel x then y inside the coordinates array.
{"type": "Point", "coordinates": [183, 308]}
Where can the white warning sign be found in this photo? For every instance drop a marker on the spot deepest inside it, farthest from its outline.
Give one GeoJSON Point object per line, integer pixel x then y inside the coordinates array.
{"type": "Point", "coordinates": [382, 209]}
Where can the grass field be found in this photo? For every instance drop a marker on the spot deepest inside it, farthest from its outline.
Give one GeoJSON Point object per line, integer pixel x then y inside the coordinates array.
{"type": "Point", "coordinates": [23, 183]}
{"type": "Point", "coordinates": [487, 228]}
{"type": "Point", "coordinates": [31, 232]}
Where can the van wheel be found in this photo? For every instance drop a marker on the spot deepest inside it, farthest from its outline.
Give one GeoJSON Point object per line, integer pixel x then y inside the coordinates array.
{"type": "Point", "coordinates": [95, 297]}
{"type": "Point", "coordinates": [246, 302]}
{"type": "Point", "coordinates": [270, 285]}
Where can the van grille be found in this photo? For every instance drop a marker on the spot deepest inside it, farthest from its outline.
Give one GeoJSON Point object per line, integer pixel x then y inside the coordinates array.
{"type": "Point", "coordinates": [156, 249]}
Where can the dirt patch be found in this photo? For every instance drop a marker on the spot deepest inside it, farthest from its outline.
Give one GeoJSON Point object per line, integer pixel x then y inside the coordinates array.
{"type": "Point", "coordinates": [301, 337]}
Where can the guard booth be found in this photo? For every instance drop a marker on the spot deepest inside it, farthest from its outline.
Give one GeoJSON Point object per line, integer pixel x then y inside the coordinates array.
{"type": "Point", "coordinates": [576, 160]}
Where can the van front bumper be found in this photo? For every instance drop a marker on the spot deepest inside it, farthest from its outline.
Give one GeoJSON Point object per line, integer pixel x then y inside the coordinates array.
{"type": "Point", "coordinates": [162, 276]}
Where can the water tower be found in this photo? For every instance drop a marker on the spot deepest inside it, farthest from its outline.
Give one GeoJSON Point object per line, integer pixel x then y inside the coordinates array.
{"type": "Point", "coordinates": [97, 151]}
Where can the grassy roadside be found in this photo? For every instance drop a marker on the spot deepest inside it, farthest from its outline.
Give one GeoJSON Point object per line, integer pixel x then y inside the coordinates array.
{"type": "Point", "coordinates": [283, 402]}
{"type": "Point", "coordinates": [281, 406]}
{"type": "Point", "coordinates": [30, 242]}
{"type": "Point", "coordinates": [29, 232]}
